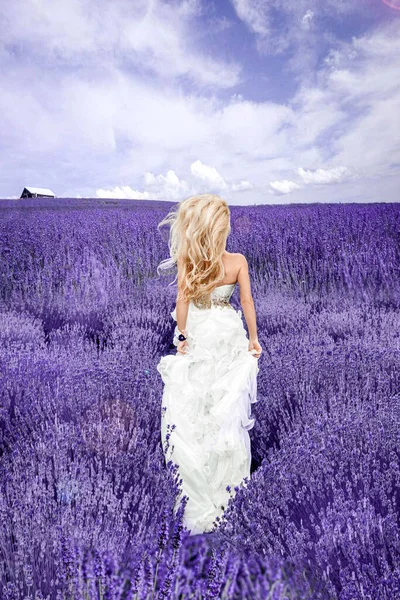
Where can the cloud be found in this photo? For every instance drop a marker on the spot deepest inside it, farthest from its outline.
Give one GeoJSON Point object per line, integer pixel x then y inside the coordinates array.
{"type": "Point", "coordinates": [154, 36]}
{"type": "Point", "coordinates": [214, 181]}
{"type": "Point", "coordinates": [284, 186]}
{"type": "Point", "coordinates": [307, 19]}
{"type": "Point", "coordinates": [255, 13]}
{"type": "Point", "coordinates": [313, 177]}
{"type": "Point", "coordinates": [95, 113]}
{"type": "Point", "coordinates": [162, 187]}
{"type": "Point", "coordinates": [124, 192]}
{"type": "Point", "coordinates": [241, 186]}
{"type": "Point", "coordinates": [325, 176]}
{"type": "Point", "coordinates": [209, 175]}
{"type": "Point", "coordinates": [274, 18]}
{"type": "Point", "coordinates": [297, 29]}
{"type": "Point", "coordinates": [204, 178]}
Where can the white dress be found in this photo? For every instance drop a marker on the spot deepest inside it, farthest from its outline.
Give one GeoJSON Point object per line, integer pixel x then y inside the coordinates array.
{"type": "Point", "coordinates": [207, 395]}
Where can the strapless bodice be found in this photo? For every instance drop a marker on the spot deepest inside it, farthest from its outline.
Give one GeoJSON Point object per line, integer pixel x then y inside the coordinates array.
{"type": "Point", "coordinates": [223, 292]}
{"type": "Point", "coordinates": [220, 296]}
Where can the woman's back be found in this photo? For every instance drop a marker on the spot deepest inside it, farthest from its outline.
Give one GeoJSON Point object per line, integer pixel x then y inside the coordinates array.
{"type": "Point", "coordinates": [208, 392]}
{"type": "Point", "coordinates": [211, 382]}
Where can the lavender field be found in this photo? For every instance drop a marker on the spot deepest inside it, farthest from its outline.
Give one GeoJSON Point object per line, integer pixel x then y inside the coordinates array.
{"type": "Point", "coordinates": [86, 500]}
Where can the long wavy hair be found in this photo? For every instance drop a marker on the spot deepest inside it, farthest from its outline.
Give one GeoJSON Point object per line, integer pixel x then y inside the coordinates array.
{"type": "Point", "coordinates": [199, 228]}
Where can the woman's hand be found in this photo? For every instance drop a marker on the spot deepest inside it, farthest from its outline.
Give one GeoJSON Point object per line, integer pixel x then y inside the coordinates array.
{"type": "Point", "coordinates": [254, 345]}
{"type": "Point", "coordinates": [182, 347]}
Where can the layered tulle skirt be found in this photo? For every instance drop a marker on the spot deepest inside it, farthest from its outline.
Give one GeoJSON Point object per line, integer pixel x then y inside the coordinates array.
{"type": "Point", "coordinates": [207, 396]}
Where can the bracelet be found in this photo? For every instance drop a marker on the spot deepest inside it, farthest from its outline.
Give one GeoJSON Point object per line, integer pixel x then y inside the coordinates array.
{"type": "Point", "coordinates": [180, 337]}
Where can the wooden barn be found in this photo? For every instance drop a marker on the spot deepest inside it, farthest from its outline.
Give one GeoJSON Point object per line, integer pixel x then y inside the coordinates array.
{"type": "Point", "coordinates": [35, 192]}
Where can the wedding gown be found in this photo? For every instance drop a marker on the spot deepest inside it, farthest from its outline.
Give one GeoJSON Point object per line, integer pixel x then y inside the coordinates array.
{"type": "Point", "coordinates": [207, 395]}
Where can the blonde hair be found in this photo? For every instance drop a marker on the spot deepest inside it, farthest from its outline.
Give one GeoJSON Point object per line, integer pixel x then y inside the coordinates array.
{"type": "Point", "coordinates": [199, 228]}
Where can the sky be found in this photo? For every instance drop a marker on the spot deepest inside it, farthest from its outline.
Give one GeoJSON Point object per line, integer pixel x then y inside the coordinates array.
{"type": "Point", "coordinates": [258, 101]}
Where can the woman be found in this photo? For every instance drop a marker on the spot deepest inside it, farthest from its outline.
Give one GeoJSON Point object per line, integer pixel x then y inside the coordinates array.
{"type": "Point", "coordinates": [211, 382]}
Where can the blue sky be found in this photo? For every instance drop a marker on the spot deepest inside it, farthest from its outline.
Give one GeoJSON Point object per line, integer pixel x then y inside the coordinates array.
{"type": "Point", "coordinates": [259, 101]}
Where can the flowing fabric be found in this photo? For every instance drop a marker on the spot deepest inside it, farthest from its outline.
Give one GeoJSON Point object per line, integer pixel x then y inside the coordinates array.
{"type": "Point", "coordinates": [207, 395]}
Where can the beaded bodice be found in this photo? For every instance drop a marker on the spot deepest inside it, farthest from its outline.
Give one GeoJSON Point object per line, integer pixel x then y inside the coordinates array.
{"type": "Point", "coordinates": [220, 296]}
{"type": "Point", "coordinates": [223, 292]}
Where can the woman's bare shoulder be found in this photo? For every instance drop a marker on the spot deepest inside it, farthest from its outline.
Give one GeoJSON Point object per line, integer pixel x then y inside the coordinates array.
{"type": "Point", "coordinates": [236, 261]}
{"type": "Point", "coordinates": [234, 258]}
{"type": "Point", "coordinates": [239, 259]}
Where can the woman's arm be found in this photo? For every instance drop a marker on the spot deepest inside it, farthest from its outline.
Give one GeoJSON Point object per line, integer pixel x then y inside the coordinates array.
{"type": "Point", "coordinates": [182, 306]}
{"type": "Point", "coordinates": [181, 315]}
{"type": "Point", "coordinates": [246, 299]}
